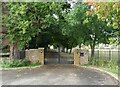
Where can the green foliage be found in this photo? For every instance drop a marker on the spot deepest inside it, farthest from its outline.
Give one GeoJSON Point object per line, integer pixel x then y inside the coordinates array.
{"type": "Point", "coordinates": [14, 63]}
{"type": "Point", "coordinates": [94, 62]}
{"type": "Point", "coordinates": [74, 26]}
{"type": "Point", "coordinates": [26, 20]}
{"type": "Point", "coordinates": [110, 13]}
{"type": "Point", "coordinates": [103, 63]}
{"type": "Point", "coordinates": [34, 25]}
{"type": "Point", "coordinates": [110, 66]}
{"type": "Point", "coordinates": [89, 29]}
{"type": "Point", "coordinates": [113, 64]}
{"type": "Point", "coordinates": [4, 48]}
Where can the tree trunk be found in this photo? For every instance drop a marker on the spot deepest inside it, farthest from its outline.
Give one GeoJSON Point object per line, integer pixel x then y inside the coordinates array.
{"type": "Point", "coordinates": [66, 50]}
{"type": "Point", "coordinates": [14, 51]}
{"type": "Point", "coordinates": [71, 48]}
{"type": "Point", "coordinates": [92, 49]}
{"type": "Point", "coordinates": [11, 51]}
{"type": "Point", "coordinates": [80, 45]}
{"type": "Point", "coordinates": [70, 51]}
{"type": "Point", "coordinates": [63, 49]}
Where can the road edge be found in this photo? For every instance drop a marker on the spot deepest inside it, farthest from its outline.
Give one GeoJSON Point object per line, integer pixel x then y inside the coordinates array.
{"type": "Point", "coordinates": [21, 68]}
{"type": "Point", "coordinates": [103, 71]}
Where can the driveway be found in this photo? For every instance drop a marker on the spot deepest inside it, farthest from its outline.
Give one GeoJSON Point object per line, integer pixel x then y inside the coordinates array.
{"type": "Point", "coordinates": [56, 75]}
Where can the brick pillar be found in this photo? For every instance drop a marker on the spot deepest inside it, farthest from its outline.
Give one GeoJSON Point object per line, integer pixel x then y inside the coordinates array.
{"type": "Point", "coordinates": [41, 55]}
{"type": "Point", "coordinates": [77, 57]}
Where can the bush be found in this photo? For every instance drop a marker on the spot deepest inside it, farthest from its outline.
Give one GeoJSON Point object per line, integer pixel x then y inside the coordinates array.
{"type": "Point", "coordinates": [94, 62]}
{"type": "Point", "coordinates": [4, 48]}
{"type": "Point", "coordinates": [15, 63]}
{"type": "Point", "coordinates": [112, 64]}
{"type": "Point", "coordinates": [103, 62]}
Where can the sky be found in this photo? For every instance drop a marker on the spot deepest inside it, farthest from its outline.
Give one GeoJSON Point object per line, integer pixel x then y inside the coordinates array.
{"type": "Point", "coordinates": [72, 2]}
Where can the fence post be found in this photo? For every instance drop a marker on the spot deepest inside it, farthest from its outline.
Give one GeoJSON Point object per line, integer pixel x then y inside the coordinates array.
{"type": "Point", "coordinates": [98, 53]}
{"type": "Point", "coordinates": [59, 54]}
{"type": "Point", "coordinates": [109, 54]}
{"type": "Point", "coordinates": [98, 56]}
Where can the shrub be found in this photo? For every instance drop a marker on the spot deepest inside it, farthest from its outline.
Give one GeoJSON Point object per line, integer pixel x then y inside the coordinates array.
{"type": "Point", "coordinates": [103, 62]}
{"type": "Point", "coordinates": [15, 63]}
{"type": "Point", "coordinates": [112, 64]}
{"type": "Point", "coordinates": [94, 62]}
{"type": "Point", "coordinates": [98, 62]}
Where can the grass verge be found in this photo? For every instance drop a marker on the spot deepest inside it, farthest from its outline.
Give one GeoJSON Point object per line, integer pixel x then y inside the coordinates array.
{"type": "Point", "coordinates": [22, 67]}
{"type": "Point", "coordinates": [17, 64]}
{"type": "Point", "coordinates": [113, 70]}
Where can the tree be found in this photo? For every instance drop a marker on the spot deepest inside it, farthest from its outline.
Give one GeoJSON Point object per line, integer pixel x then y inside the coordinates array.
{"type": "Point", "coordinates": [74, 26]}
{"type": "Point", "coordinates": [97, 32]}
{"type": "Point", "coordinates": [86, 26]}
{"type": "Point", "coordinates": [26, 20]}
{"type": "Point", "coordinates": [109, 12]}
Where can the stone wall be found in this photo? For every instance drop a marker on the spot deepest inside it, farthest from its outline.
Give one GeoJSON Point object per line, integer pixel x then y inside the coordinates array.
{"type": "Point", "coordinates": [35, 55]}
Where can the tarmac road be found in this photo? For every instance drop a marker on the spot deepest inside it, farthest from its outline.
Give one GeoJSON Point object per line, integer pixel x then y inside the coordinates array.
{"type": "Point", "coordinates": [56, 75]}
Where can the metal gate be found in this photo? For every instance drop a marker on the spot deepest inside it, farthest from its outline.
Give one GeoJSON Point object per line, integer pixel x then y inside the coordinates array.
{"type": "Point", "coordinates": [57, 57]}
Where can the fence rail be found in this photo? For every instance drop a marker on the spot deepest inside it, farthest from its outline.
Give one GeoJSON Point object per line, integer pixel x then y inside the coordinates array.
{"type": "Point", "coordinates": [106, 54]}
{"type": "Point", "coordinates": [4, 54]}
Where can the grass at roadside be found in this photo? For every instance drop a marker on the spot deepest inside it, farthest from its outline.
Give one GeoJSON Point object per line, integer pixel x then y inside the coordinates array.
{"type": "Point", "coordinates": [22, 67]}
{"type": "Point", "coordinates": [113, 70]}
{"type": "Point", "coordinates": [16, 64]}
{"type": "Point", "coordinates": [110, 66]}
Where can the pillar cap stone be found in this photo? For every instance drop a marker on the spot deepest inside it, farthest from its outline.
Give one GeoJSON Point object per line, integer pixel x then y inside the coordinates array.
{"type": "Point", "coordinates": [41, 48]}
{"type": "Point", "coordinates": [33, 49]}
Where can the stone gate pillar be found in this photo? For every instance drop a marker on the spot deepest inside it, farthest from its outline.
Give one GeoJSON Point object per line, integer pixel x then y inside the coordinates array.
{"type": "Point", "coordinates": [80, 56]}
{"type": "Point", "coordinates": [84, 56]}
{"type": "Point", "coordinates": [77, 57]}
{"type": "Point", "coordinates": [41, 55]}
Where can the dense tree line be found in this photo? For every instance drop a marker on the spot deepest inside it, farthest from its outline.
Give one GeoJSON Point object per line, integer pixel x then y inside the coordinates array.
{"type": "Point", "coordinates": [33, 25]}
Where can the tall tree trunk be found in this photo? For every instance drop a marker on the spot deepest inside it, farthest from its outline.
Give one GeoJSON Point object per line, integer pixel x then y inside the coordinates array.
{"type": "Point", "coordinates": [11, 50]}
{"type": "Point", "coordinates": [92, 51]}
{"type": "Point", "coordinates": [80, 45]}
{"type": "Point", "coordinates": [92, 48]}
{"type": "Point", "coordinates": [14, 51]}
{"type": "Point", "coordinates": [70, 51]}
{"type": "Point", "coordinates": [63, 49]}
{"type": "Point", "coordinates": [66, 50]}
{"type": "Point", "coordinates": [71, 48]}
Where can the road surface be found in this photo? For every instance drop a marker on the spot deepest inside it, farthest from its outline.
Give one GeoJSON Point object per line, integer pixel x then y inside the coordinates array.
{"type": "Point", "coordinates": [56, 75]}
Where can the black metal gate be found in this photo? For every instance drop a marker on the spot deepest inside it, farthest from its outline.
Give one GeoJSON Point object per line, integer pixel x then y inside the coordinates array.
{"type": "Point", "coordinates": [57, 57]}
